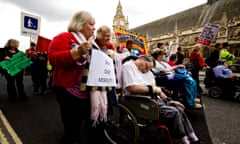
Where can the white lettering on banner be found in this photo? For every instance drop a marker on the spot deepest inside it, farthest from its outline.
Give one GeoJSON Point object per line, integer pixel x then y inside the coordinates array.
{"type": "Point", "coordinates": [101, 70]}
{"type": "Point", "coordinates": [209, 31]}
{"type": "Point", "coordinates": [208, 34]}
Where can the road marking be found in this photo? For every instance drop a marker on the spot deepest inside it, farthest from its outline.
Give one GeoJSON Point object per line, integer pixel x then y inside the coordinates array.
{"type": "Point", "coordinates": [7, 133]}
{"type": "Point", "coordinates": [3, 139]}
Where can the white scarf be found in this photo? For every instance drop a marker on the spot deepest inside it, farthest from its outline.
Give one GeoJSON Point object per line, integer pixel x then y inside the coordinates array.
{"type": "Point", "coordinates": [98, 98]}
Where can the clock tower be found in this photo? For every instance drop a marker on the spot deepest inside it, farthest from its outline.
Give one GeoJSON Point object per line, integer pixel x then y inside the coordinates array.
{"type": "Point", "coordinates": [119, 20]}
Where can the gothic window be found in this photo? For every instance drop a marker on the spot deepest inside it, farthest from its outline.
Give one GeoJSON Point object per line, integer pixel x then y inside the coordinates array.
{"type": "Point", "coordinates": [234, 33]}
{"type": "Point", "coordinates": [222, 32]}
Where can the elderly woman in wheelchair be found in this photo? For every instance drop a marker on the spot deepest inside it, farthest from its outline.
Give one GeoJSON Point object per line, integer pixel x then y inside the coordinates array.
{"type": "Point", "coordinates": [179, 77]}
{"type": "Point", "coordinates": [138, 80]}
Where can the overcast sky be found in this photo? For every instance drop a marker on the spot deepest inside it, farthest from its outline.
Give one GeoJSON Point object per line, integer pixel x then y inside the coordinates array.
{"type": "Point", "coordinates": [56, 14]}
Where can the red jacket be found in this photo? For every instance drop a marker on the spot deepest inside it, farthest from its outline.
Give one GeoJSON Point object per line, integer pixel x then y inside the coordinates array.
{"type": "Point", "coordinates": [65, 69]}
{"type": "Point", "coordinates": [30, 52]}
{"type": "Point", "coordinates": [196, 59]}
{"type": "Point", "coordinates": [110, 46]}
{"type": "Point", "coordinates": [171, 63]}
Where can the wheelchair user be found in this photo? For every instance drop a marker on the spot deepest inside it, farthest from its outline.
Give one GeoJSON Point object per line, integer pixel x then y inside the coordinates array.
{"type": "Point", "coordinates": [139, 80]}
{"type": "Point", "coordinates": [223, 73]}
{"type": "Point", "coordinates": [181, 75]}
{"type": "Point", "coordinates": [211, 62]}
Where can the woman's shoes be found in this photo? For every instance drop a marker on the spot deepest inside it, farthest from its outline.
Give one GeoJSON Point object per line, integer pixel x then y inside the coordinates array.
{"type": "Point", "coordinates": [197, 100]}
{"type": "Point", "coordinates": [197, 106]}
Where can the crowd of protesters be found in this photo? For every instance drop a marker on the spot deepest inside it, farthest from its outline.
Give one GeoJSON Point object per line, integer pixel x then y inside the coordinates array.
{"type": "Point", "coordinates": [68, 62]}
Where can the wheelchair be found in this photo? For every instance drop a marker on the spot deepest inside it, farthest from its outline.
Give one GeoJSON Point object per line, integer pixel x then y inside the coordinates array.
{"type": "Point", "coordinates": [173, 88]}
{"type": "Point", "coordinates": [221, 88]}
{"type": "Point", "coordinates": [209, 78]}
{"type": "Point", "coordinates": [135, 120]}
{"type": "Point", "coordinates": [170, 87]}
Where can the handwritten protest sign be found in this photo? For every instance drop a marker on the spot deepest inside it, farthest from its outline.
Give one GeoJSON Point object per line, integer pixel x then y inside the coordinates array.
{"type": "Point", "coordinates": [208, 34]}
{"type": "Point", "coordinates": [14, 65]}
{"type": "Point", "coordinates": [101, 70]}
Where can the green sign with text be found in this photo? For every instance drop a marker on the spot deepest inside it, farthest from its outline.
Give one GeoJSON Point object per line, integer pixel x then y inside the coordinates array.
{"type": "Point", "coordinates": [18, 62]}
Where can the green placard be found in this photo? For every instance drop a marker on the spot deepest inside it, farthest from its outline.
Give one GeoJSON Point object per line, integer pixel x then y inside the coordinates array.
{"type": "Point", "coordinates": [18, 62]}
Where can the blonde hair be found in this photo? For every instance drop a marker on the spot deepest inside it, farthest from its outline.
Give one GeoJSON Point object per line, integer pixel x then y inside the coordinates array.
{"type": "Point", "coordinates": [197, 47]}
{"type": "Point", "coordinates": [78, 20]}
{"type": "Point", "coordinates": [101, 30]}
{"type": "Point", "coordinates": [12, 43]}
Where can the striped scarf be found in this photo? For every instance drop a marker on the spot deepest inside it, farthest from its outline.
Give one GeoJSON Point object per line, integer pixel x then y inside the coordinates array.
{"type": "Point", "coordinates": [98, 95]}
{"type": "Point", "coordinates": [83, 84]}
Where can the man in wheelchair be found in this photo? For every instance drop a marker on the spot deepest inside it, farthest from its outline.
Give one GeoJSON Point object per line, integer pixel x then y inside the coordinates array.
{"type": "Point", "coordinates": [225, 78]}
{"type": "Point", "coordinates": [139, 80]}
{"type": "Point", "coordinates": [211, 62]}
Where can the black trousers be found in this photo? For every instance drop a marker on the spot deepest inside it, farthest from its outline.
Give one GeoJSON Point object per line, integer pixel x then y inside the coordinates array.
{"type": "Point", "coordinates": [15, 86]}
{"type": "Point", "coordinates": [39, 75]}
{"type": "Point", "coordinates": [74, 113]}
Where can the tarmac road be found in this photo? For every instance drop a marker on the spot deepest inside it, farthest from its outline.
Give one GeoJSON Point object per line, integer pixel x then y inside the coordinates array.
{"type": "Point", "coordinates": [37, 121]}
{"type": "Point", "coordinates": [223, 118]}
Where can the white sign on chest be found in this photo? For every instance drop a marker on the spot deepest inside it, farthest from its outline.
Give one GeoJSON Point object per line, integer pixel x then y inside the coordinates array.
{"type": "Point", "coordinates": [101, 70]}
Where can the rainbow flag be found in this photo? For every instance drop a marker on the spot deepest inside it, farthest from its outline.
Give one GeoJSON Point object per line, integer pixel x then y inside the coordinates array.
{"type": "Point", "coordinates": [140, 42]}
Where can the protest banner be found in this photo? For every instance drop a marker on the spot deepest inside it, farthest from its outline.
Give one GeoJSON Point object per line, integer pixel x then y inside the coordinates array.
{"type": "Point", "coordinates": [30, 24]}
{"type": "Point", "coordinates": [18, 62]}
{"type": "Point", "coordinates": [42, 44]}
{"type": "Point", "coordinates": [101, 70]}
{"type": "Point", "coordinates": [208, 34]}
{"type": "Point", "coordinates": [139, 41]}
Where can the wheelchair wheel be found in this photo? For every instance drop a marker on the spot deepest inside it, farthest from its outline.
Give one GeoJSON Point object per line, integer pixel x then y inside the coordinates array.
{"type": "Point", "coordinates": [215, 92]}
{"type": "Point", "coordinates": [121, 127]}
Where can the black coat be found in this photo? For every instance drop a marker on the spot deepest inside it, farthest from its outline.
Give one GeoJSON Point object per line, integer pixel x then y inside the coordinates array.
{"type": "Point", "coordinates": [3, 53]}
{"type": "Point", "coordinates": [212, 59]}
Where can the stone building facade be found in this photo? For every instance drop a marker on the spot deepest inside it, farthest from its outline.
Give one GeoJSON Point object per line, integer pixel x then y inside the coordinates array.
{"type": "Point", "coordinates": [185, 27]}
